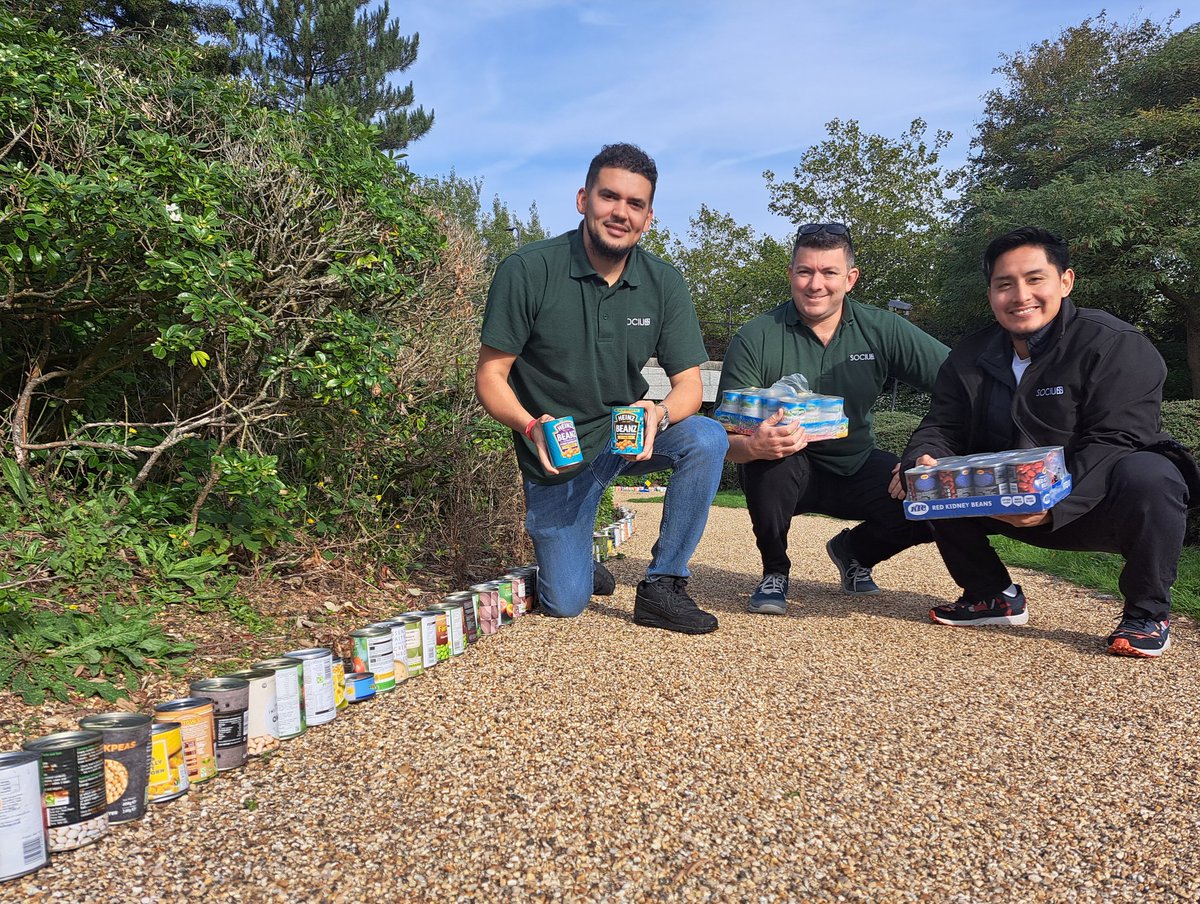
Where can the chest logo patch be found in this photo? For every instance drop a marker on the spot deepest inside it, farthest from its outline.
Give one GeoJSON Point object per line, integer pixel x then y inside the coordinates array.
{"type": "Point", "coordinates": [639, 321]}
{"type": "Point", "coordinates": [1043, 391]}
{"type": "Point", "coordinates": [865, 356]}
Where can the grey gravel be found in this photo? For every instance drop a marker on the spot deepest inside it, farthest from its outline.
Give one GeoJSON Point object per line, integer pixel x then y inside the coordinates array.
{"type": "Point", "coordinates": [847, 751]}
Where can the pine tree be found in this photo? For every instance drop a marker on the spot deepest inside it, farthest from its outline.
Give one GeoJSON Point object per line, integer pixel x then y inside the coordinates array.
{"type": "Point", "coordinates": [317, 53]}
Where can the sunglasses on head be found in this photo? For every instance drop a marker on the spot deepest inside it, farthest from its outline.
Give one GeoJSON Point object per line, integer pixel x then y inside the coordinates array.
{"type": "Point", "coordinates": [830, 228]}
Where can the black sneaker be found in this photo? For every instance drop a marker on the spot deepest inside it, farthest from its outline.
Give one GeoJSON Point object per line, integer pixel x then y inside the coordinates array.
{"type": "Point", "coordinates": [665, 604]}
{"type": "Point", "coordinates": [770, 596]}
{"type": "Point", "coordinates": [1140, 637]}
{"type": "Point", "coordinates": [855, 578]}
{"type": "Point", "coordinates": [603, 583]}
{"type": "Point", "coordinates": [1001, 609]}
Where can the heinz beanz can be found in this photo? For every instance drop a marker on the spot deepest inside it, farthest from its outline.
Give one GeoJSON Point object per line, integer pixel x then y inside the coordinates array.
{"type": "Point", "coordinates": [629, 430]}
{"type": "Point", "coordinates": [373, 653]}
{"type": "Point", "coordinates": [289, 695]}
{"type": "Point", "coordinates": [195, 718]}
{"type": "Point", "coordinates": [231, 706]}
{"type": "Point", "coordinates": [562, 442]}
{"type": "Point", "coordinates": [126, 742]}
{"type": "Point", "coordinates": [262, 718]}
{"type": "Point", "coordinates": [168, 771]}
{"type": "Point", "coordinates": [72, 787]}
{"type": "Point", "coordinates": [23, 843]}
{"type": "Point", "coordinates": [319, 705]}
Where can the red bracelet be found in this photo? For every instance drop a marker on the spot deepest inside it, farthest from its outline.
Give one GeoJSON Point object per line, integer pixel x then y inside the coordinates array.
{"type": "Point", "coordinates": [529, 429]}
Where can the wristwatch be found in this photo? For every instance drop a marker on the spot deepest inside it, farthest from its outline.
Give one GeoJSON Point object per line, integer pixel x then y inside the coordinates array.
{"type": "Point", "coordinates": [666, 417]}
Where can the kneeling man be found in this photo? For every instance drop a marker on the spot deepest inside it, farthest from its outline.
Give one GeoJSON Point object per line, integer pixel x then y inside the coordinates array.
{"type": "Point", "coordinates": [1050, 374]}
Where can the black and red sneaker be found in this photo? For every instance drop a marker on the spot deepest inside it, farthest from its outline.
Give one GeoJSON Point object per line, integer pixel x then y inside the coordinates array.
{"type": "Point", "coordinates": [1140, 637]}
{"type": "Point", "coordinates": [1001, 609]}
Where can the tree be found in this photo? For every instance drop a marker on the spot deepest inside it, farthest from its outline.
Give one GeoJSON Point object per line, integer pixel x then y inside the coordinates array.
{"type": "Point", "coordinates": [207, 18]}
{"type": "Point", "coordinates": [1111, 162]}
{"type": "Point", "coordinates": [315, 54]}
{"type": "Point", "coordinates": [893, 194]}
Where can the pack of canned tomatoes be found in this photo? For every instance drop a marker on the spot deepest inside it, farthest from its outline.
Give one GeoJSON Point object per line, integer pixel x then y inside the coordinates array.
{"type": "Point", "coordinates": [1015, 482]}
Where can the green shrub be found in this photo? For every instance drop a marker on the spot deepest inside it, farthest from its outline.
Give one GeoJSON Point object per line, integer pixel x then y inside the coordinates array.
{"type": "Point", "coordinates": [893, 430]}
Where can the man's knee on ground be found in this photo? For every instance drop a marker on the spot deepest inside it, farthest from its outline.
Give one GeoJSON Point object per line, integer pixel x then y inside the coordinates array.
{"type": "Point", "coordinates": [1149, 482]}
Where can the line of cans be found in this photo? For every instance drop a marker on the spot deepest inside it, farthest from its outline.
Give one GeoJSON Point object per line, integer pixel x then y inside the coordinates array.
{"type": "Point", "coordinates": [822, 416]}
{"type": "Point", "coordinates": [606, 540]}
{"type": "Point", "coordinates": [64, 790]}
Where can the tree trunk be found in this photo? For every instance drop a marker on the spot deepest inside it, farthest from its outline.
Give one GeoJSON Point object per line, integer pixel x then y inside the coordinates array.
{"type": "Point", "coordinates": [1190, 308]}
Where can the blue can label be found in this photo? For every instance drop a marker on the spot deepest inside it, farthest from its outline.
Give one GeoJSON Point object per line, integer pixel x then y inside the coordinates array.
{"type": "Point", "coordinates": [562, 442]}
{"type": "Point", "coordinates": [629, 430]}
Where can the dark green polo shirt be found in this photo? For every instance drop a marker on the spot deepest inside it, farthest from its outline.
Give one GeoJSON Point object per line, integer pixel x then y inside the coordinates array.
{"type": "Point", "coordinates": [580, 343]}
{"type": "Point", "coordinates": [869, 346]}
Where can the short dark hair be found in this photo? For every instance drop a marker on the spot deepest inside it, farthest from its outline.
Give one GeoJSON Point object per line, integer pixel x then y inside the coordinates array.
{"type": "Point", "coordinates": [824, 241]}
{"type": "Point", "coordinates": [1054, 246]}
{"type": "Point", "coordinates": [628, 157]}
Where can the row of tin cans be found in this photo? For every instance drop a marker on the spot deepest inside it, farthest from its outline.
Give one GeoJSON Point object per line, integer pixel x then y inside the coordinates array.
{"type": "Point", "coordinates": [822, 416]}
{"type": "Point", "coordinates": [64, 790]}
{"type": "Point", "coordinates": [606, 540]}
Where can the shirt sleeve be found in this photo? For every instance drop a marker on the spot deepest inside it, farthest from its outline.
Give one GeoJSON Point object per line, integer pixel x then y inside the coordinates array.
{"type": "Point", "coordinates": [680, 342]}
{"type": "Point", "coordinates": [741, 368]}
{"type": "Point", "coordinates": [511, 308]}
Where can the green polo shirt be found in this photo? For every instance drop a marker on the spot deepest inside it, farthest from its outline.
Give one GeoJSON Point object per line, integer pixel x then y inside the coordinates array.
{"type": "Point", "coordinates": [580, 343]}
{"type": "Point", "coordinates": [869, 346]}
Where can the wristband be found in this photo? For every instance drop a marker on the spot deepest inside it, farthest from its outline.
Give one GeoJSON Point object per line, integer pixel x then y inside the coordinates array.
{"type": "Point", "coordinates": [529, 429]}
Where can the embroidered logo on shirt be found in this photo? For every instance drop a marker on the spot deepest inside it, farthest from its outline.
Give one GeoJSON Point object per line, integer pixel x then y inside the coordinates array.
{"type": "Point", "coordinates": [866, 356]}
{"type": "Point", "coordinates": [1049, 391]}
{"type": "Point", "coordinates": [639, 321]}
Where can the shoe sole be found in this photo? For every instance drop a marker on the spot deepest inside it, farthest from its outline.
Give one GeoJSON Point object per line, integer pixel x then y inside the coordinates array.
{"type": "Point", "coordinates": [766, 607]}
{"type": "Point", "coordinates": [1014, 621]}
{"type": "Point", "coordinates": [1122, 647]}
{"type": "Point", "coordinates": [842, 572]}
{"type": "Point", "coordinates": [650, 621]}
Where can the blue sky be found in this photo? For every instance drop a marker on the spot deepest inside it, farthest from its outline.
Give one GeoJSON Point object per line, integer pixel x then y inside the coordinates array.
{"type": "Point", "coordinates": [526, 91]}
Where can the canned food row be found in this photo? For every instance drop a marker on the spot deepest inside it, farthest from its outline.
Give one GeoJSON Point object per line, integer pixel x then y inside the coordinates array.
{"type": "Point", "coordinates": [64, 790]}
{"type": "Point", "coordinates": [606, 540]}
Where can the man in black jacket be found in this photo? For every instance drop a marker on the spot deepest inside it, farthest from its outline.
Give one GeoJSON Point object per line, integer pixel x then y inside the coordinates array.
{"type": "Point", "coordinates": [1050, 374]}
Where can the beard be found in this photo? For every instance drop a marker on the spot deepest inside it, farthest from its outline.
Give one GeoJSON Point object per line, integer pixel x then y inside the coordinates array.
{"type": "Point", "coordinates": [606, 249]}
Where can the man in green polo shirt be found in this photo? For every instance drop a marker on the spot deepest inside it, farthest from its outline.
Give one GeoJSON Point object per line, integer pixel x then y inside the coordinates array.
{"type": "Point", "coordinates": [846, 349]}
{"type": "Point", "coordinates": [569, 325]}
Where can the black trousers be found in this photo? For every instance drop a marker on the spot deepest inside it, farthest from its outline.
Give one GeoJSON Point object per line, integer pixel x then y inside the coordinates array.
{"type": "Point", "coordinates": [1142, 517]}
{"type": "Point", "coordinates": [777, 491]}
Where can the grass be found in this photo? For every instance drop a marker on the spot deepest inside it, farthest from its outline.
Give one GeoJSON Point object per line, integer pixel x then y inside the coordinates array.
{"type": "Point", "coordinates": [1093, 570]}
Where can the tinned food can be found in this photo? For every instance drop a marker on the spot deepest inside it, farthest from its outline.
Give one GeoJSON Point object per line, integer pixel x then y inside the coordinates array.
{"type": "Point", "coordinates": [466, 599]}
{"type": "Point", "coordinates": [72, 787]}
{"type": "Point", "coordinates": [487, 604]}
{"type": "Point", "coordinates": [629, 430]}
{"type": "Point", "coordinates": [360, 686]}
{"type": "Point", "coordinates": [455, 627]}
{"type": "Point", "coordinates": [319, 705]}
{"type": "Point", "coordinates": [289, 695]}
{"type": "Point", "coordinates": [24, 846]}
{"type": "Point", "coordinates": [530, 573]}
{"type": "Point", "coordinates": [562, 442]}
{"type": "Point", "coordinates": [195, 718]}
{"type": "Point", "coordinates": [399, 632]}
{"type": "Point", "coordinates": [126, 741]}
{"type": "Point", "coordinates": [441, 634]}
{"type": "Point", "coordinates": [373, 653]}
{"type": "Point", "coordinates": [414, 634]}
{"type": "Point", "coordinates": [520, 601]}
{"type": "Point", "coordinates": [504, 587]}
{"type": "Point", "coordinates": [231, 718]}
{"type": "Point", "coordinates": [262, 718]}
{"type": "Point", "coordinates": [429, 637]}
{"type": "Point", "coordinates": [339, 684]}
{"type": "Point", "coordinates": [168, 770]}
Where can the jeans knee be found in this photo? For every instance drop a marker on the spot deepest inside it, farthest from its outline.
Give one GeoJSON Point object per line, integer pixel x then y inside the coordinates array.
{"type": "Point", "coordinates": [564, 607]}
{"type": "Point", "coordinates": [711, 442]}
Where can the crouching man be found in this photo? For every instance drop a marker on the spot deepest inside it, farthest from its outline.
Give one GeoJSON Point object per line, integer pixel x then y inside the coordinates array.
{"type": "Point", "coordinates": [1047, 373]}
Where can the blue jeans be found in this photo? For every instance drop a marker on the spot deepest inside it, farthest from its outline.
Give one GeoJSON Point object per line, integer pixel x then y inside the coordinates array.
{"type": "Point", "coordinates": [561, 518]}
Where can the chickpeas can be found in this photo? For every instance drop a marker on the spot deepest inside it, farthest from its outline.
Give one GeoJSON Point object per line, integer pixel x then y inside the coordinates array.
{"type": "Point", "coordinates": [454, 626]}
{"type": "Point", "coordinates": [373, 653]}
{"type": "Point", "coordinates": [319, 706]}
{"type": "Point", "coordinates": [289, 695]}
{"type": "Point", "coordinates": [126, 742]}
{"type": "Point", "coordinates": [399, 632]}
{"type": "Point", "coordinates": [195, 718]}
{"type": "Point", "coordinates": [465, 599]}
{"type": "Point", "coordinates": [231, 705]}
{"type": "Point", "coordinates": [168, 770]}
{"type": "Point", "coordinates": [262, 718]}
{"type": "Point", "coordinates": [72, 787]}
{"type": "Point", "coordinates": [24, 846]}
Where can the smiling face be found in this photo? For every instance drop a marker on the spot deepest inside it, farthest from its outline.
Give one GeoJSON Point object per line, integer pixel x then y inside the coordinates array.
{"type": "Point", "coordinates": [1026, 291]}
{"type": "Point", "coordinates": [616, 211]}
{"type": "Point", "coordinates": [820, 278]}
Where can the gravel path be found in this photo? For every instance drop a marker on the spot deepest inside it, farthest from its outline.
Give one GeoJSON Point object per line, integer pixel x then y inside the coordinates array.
{"type": "Point", "coordinates": [848, 751]}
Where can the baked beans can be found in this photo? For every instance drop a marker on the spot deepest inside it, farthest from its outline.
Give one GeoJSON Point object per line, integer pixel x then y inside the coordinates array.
{"type": "Point", "coordinates": [466, 599]}
{"type": "Point", "coordinates": [231, 718]}
{"type": "Point", "coordinates": [487, 604]}
{"type": "Point", "coordinates": [126, 741]}
{"type": "Point", "coordinates": [168, 770]}
{"type": "Point", "coordinates": [373, 653]}
{"type": "Point", "coordinates": [72, 787]}
{"type": "Point", "coordinates": [399, 632]}
{"type": "Point", "coordinates": [562, 442]}
{"type": "Point", "coordinates": [262, 718]}
{"type": "Point", "coordinates": [628, 430]}
{"type": "Point", "coordinates": [339, 684]}
{"type": "Point", "coordinates": [360, 686]}
{"type": "Point", "coordinates": [454, 626]}
{"type": "Point", "coordinates": [195, 718]}
{"type": "Point", "coordinates": [319, 706]}
{"type": "Point", "coordinates": [414, 636]}
{"type": "Point", "coordinates": [24, 846]}
{"type": "Point", "coordinates": [520, 602]}
{"type": "Point", "coordinates": [289, 695]}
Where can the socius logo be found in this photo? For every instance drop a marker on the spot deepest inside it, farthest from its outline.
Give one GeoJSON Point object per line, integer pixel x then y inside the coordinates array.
{"type": "Point", "coordinates": [639, 321]}
{"type": "Point", "coordinates": [1049, 391]}
{"type": "Point", "coordinates": [917, 508]}
{"type": "Point", "coordinates": [865, 356]}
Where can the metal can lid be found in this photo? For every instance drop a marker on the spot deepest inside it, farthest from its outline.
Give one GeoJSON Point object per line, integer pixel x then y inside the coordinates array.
{"type": "Point", "coordinates": [280, 662]}
{"type": "Point", "coordinates": [62, 740]}
{"type": "Point", "coordinates": [376, 630]}
{"type": "Point", "coordinates": [19, 757]}
{"type": "Point", "coordinates": [182, 704]}
{"type": "Point", "coordinates": [309, 653]}
{"type": "Point", "coordinates": [486, 585]}
{"type": "Point", "coordinates": [164, 727]}
{"type": "Point", "coordinates": [100, 721]}
{"type": "Point", "coordinates": [459, 596]}
{"type": "Point", "coordinates": [359, 676]}
{"type": "Point", "coordinates": [218, 684]}
{"type": "Point", "coordinates": [251, 674]}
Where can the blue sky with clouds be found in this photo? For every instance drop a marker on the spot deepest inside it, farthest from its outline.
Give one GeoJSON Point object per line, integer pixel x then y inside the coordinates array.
{"type": "Point", "coordinates": [526, 91]}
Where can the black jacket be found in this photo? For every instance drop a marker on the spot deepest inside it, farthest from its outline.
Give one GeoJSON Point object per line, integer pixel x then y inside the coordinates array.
{"type": "Point", "coordinates": [1093, 386]}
